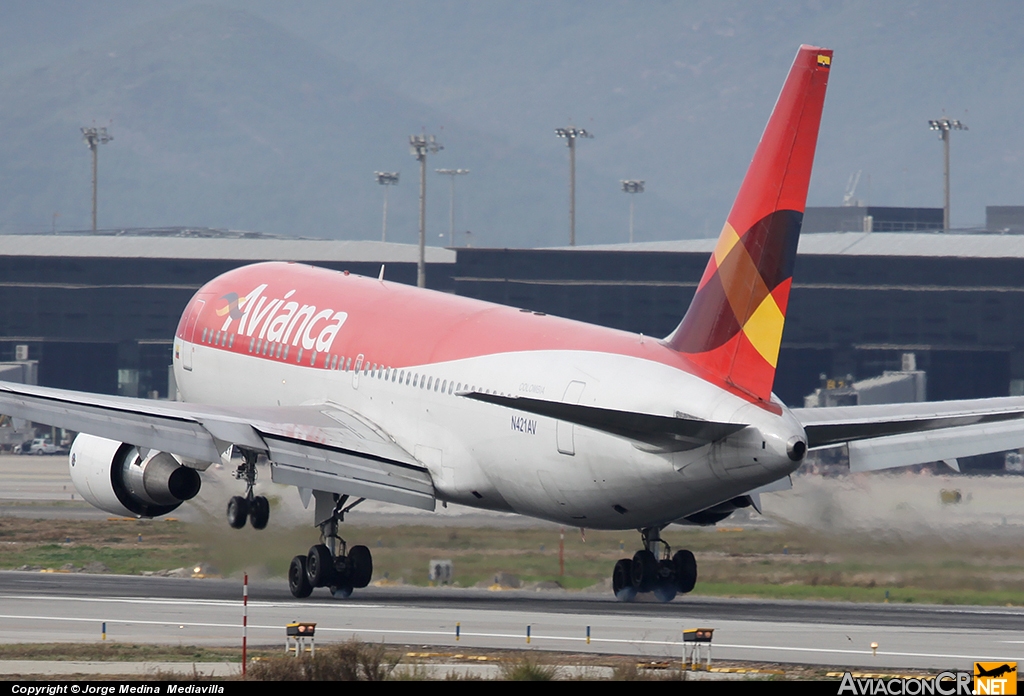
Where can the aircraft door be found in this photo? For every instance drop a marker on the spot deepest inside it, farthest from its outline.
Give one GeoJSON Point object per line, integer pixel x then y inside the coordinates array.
{"type": "Point", "coordinates": [564, 430]}
{"type": "Point", "coordinates": [190, 330]}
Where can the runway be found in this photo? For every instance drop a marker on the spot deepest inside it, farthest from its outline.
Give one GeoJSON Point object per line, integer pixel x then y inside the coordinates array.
{"type": "Point", "coordinates": [37, 607]}
{"type": "Point", "coordinates": [45, 607]}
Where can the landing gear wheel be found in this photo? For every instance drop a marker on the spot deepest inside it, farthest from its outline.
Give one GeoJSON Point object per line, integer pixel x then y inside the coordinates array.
{"type": "Point", "coordinates": [298, 580]}
{"type": "Point", "coordinates": [341, 591]}
{"type": "Point", "coordinates": [360, 564]}
{"type": "Point", "coordinates": [622, 581]}
{"type": "Point", "coordinates": [665, 586]}
{"type": "Point", "coordinates": [259, 512]}
{"type": "Point", "coordinates": [685, 567]}
{"type": "Point", "coordinates": [644, 571]}
{"type": "Point", "coordinates": [319, 567]}
{"type": "Point", "coordinates": [238, 511]}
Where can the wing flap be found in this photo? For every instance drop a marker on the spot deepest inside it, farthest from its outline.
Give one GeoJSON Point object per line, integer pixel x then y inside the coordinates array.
{"type": "Point", "coordinates": [885, 436]}
{"type": "Point", "coordinates": [935, 445]}
{"type": "Point", "coordinates": [336, 470]}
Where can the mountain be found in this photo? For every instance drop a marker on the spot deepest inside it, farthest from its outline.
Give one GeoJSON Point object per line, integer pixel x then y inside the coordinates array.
{"type": "Point", "coordinates": [273, 117]}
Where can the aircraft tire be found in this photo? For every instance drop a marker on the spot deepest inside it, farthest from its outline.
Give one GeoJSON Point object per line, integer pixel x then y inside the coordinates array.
{"type": "Point", "coordinates": [341, 591]}
{"type": "Point", "coordinates": [665, 590]}
{"type": "Point", "coordinates": [259, 512]}
{"type": "Point", "coordinates": [360, 563]}
{"type": "Point", "coordinates": [298, 579]}
{"type": "Point", "coordinates": [622, 581]}
{"type": "Point", "coordinates": [238, 511]}
{"type": "Point", "coordinates": [644, 571]}
{"type": "Point", "coordinates": [685, 567]}
{"type": "Point", "coordinates": [665, 586]}
{"type": "Point", "coordinates": [319, 566]}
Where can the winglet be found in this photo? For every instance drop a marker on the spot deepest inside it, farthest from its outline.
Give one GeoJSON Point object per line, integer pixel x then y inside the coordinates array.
{"type": "Point", "coordinates": [733, 327]}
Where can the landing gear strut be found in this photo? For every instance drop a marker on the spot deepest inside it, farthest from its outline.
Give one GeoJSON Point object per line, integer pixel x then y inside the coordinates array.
{"type": "Point", "coordinates": [645, 572]}
{"type": "Point", "coordinates": [331, 563]}
{"type": "Point", "coordinates": [255, 508]}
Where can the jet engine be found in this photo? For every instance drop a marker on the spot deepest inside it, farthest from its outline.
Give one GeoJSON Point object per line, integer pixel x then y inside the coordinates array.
{"type": "Point", "coordinates": [121, 479]}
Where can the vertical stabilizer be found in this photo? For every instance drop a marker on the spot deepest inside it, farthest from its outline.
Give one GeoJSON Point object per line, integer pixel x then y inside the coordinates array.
{"type": "Point", "coordinates": [733, 327]}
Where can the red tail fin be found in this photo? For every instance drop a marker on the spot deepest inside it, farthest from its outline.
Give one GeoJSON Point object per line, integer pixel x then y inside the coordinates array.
{"type": "Point", "coordinates": [733, 327]}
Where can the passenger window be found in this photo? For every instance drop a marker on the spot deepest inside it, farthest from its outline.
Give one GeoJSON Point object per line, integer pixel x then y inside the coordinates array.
{"type": "Point", "coordinates": [312, 360]}
{"type": "Point", "coordinates": [204, 336]}
{"type": "Point", "coordinates": [231, 343]}
{"type": "Point", "coordinates": [444, 386]}
{"type": "Point", "coordinates": [252, 342]}
{"type": "Point", "coordinates": [286, 347]}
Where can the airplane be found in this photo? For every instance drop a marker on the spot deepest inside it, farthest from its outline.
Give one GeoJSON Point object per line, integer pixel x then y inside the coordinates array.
{"type": "Point", "coordinates": [356, 388]}
{"type": "Point", "coordinates": [996, 672]}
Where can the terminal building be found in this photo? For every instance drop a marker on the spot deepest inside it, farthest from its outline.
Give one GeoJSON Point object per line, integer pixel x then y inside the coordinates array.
{"type": "Point", "coordinates": [98, 311]}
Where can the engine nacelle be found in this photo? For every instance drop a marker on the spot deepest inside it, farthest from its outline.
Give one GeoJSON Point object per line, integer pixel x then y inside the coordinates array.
{"type": "Point", "coordinates": [115, 477]}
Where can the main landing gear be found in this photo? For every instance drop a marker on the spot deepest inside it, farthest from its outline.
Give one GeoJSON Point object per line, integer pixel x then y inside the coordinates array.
{"type": "Point", "coordinates": [646, 573]}
{"type": "Point", "coordinates": [327, 564]}
{"type": "Point", "coordinates": [255, 508]}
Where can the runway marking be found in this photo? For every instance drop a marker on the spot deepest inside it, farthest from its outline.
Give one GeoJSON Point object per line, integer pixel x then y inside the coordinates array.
{"type": "Point", "coordinates": [187, 602]}
{"type": "Point", "coordinates": [510, 636]}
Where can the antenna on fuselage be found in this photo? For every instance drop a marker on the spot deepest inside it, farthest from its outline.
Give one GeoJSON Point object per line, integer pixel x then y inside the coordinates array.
{"type": "Point", "coordinates": [380, 276]}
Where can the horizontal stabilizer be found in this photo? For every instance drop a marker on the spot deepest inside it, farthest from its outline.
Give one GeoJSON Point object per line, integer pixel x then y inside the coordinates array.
{"type": "Point", "coordinates": [645, 427]}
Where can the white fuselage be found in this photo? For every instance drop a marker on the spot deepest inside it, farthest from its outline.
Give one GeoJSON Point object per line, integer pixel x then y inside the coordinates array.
{"type": "Point", "coordinates": [494, 457]}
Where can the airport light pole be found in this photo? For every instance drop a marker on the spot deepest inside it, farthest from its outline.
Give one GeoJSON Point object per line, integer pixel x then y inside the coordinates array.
{"type": "Point", "coordinates": [944, 126]}
{"type": "Point", "coordinates": [387, 180]}
{"type": "Point", "coordinates": [632, 186]}
{"type": "Point", "coordinates": [451, 203]}
{"type": "Point", "coordinates": [570, 134]}
{"type": "Point", "coordinates": [94, 137]}
{"type": "Point", "coordinates": [419, 147]}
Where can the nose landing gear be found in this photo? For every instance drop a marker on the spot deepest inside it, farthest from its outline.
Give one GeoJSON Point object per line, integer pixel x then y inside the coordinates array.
{"type": "Point", "coordinates": [254, 508]}
{"type": "Point", "coordinates": [331, 563]}
{"type": "Point", "coordinates": [645, 572]}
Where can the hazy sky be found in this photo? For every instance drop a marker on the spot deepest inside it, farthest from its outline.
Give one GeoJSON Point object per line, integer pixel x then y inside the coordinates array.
{"type": "Point", "coordinates": [273, 117]}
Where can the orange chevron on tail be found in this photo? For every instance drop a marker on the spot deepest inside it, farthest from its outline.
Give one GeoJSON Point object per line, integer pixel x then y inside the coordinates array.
{"type": "Point", "coordinates": [733, 328]}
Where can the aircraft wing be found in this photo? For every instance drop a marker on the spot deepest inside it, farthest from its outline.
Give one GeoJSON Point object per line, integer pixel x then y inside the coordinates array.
{"type": "Point", "coordinates": [885, 436]}
{"type": "Point", "coordinates": [321, 447]}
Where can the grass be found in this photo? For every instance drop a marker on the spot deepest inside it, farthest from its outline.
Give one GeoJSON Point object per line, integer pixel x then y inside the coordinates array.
{"type": "Point", "coordinates": [349, 661]}
{"type": "Point", "coordinates": [786, 563]}
{"type": "Point", "coordinates": [117, 652]}
{"type": "Point", "coordinates": [358, 661]}
{"type": "Point", "coordinates": [527, 668]}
